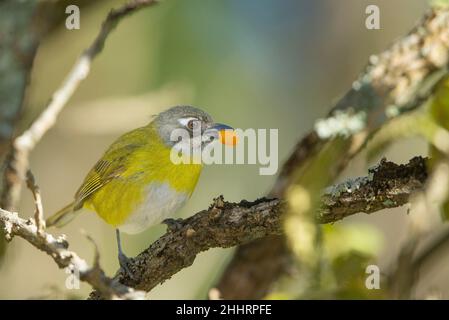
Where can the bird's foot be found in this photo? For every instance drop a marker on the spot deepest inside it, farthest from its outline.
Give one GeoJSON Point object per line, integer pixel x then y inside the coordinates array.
{"type": "Point", "coordinates": [124, 261]}
{"type": "Point", "coordinates": [173, 224]}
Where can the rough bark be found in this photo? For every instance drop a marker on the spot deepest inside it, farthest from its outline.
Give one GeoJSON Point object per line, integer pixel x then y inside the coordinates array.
{"type": "Point", "coordinates": [12, 225]}
{"type": "Point", "coordinates": [395, 81]}
{"type": "Point", "coordinates": [227, 224]}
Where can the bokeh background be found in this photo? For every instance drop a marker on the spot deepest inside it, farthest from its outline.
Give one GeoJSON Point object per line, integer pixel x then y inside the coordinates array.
{"type": "Point", "coordinates": [250, 64]}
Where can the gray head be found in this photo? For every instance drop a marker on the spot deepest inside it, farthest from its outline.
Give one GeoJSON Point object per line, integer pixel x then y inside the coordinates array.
{"type": "Point", "coordinates": [190, 120]}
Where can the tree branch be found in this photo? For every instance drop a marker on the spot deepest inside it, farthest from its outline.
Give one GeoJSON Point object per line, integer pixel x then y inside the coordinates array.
{"type": "Point", "coordinates": [393, 82]}
{"type": "Point", "coordinates": [17, 161]}
{"type": "Point", "coordinates": [223, 225]}
{"type": "Point", "coordinates": [57, 249]}
{"type": "Point", "coordinates": [387, 185]}
{"type": "Point", "coordinates": [227, 224]}
{"type": "Point", "coordinates": [22, 25]}
{"type": "Point", "coordinates": [39, 211]}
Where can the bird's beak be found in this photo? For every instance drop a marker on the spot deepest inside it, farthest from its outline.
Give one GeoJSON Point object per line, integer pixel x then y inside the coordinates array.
{"type": "Point", "coordinates": [226, 134]}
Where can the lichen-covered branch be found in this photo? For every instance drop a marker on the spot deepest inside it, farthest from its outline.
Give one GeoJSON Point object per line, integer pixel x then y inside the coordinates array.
{"type": "Point", "coordinates": [393, 82]}
{"type": "Point", "coordinates": [224, 225]}
{"type": "Point", "coordinates": [227, 224]}
{"type": "Point", "coordinates": [388, 185]}
{"type": "Point", "coordinates": [13, 225]}
{"type": "Point", "coordinates": [396, 81]}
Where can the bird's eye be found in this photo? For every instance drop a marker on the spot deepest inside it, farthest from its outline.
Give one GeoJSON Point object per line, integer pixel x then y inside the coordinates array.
{"type": "Point", "coordinates": [191, 124]}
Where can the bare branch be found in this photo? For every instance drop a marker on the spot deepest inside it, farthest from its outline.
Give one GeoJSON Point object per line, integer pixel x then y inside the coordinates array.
{"type": "Point", "coordinates": [57, 249]}
{"type": "Point", "coordinates": [227, 224]}
{"type": "Point", "coordinates": [24, 23]}
{"type": "Point", "coordinates": [17, 161]}
{"type": "Point", "coordinates": [27, 141]}
{"type": "Point", "coordinates": [39, 211]}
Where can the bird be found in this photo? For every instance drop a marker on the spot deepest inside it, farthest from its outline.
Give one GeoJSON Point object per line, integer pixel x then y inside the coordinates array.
{"type": "Point", "coordinates": [136, 184]}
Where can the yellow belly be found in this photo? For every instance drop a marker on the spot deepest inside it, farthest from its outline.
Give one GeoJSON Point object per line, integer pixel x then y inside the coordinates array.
{"type": "Point", "coordinates": [132, 193]}
{"type": "Point", "coordinates": [160, 201]}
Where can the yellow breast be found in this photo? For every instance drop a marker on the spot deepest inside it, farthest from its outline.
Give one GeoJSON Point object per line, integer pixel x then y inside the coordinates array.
{"type": "Point", "coordinates": [134, 189]}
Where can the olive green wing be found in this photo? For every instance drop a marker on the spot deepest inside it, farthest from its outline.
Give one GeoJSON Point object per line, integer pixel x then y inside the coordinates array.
{"type": "Point", "coordinates": [111, 166]}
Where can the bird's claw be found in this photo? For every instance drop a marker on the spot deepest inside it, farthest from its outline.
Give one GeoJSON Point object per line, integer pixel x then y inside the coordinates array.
{"type": "Point", "coordinates": [173, 224]}
{"type": "Point", "coordinates": [123, 261]}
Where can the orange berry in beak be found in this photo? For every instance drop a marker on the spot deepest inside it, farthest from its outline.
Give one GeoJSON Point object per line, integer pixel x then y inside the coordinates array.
{"type": "Point", "coordinates": [228, 137]}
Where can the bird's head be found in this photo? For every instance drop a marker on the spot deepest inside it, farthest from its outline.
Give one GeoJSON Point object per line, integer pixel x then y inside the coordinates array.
{"type": "Point", "coordinates": [191, 129]}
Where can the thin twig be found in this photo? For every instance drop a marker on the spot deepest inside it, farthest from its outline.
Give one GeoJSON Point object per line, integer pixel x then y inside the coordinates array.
{"type": "Point", "coordinates": [96, 251]}
{"type": "Point", "coordinates": [27, 141]}
{"type": "Point", "coordinates": [39, 210]}
{"type": "Point", "coordinates": [17, 160]}
{"type": "Point", "coordinates": [16, 165]}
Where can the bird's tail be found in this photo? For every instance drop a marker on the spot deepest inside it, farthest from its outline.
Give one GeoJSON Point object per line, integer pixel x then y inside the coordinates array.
{"type": "Point", "coordinates": [62, 217]}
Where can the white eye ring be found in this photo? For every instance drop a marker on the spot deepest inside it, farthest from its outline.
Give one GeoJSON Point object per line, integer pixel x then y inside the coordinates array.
{"type": "Point", "coordinates": [185, 121]}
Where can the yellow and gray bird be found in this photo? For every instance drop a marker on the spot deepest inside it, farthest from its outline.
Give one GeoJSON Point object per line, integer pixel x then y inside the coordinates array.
{"type": "Point", "coordinates": [136, 184]}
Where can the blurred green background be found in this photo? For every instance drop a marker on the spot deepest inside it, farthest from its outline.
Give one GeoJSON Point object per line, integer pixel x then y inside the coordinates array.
{"type": "Point", "coordinates": [251, 64]}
